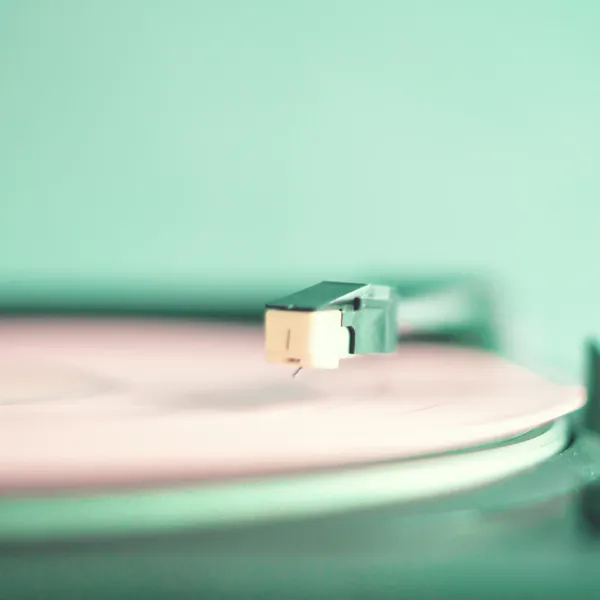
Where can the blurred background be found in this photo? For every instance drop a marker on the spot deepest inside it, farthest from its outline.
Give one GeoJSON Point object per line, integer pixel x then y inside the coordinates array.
{"type": "Point", "coordinates": [180, 153]}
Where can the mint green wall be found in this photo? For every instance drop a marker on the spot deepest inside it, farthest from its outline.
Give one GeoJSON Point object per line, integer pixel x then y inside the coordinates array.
{"type": "Point", "coordinates": [192, 144]}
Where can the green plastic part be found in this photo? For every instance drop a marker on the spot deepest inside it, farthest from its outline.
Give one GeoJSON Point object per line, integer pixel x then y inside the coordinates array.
{"type": "Point", "coordinates": [592, 406]}
{"type": "Point", "coordinates": [368, 311]}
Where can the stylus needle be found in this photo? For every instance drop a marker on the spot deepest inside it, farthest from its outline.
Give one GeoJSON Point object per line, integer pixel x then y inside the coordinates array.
{"type": "Point", "coordinates": [297, 371]}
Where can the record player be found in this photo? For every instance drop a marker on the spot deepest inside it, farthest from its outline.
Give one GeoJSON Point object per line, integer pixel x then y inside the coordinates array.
{"type": "Point", "coordinates": [167, 454]}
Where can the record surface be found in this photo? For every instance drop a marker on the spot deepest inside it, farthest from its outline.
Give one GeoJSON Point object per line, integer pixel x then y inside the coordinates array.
{"type": "Point", "coordinates": [120, 403]}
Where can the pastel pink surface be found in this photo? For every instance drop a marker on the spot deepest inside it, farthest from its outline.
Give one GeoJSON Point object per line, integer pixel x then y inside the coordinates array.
{"type": "Point", "coordinates": [150, 402]}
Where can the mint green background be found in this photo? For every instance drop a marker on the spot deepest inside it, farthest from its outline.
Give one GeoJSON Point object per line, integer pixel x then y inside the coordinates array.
{"type": "Point", "coordinates": [232, 147]}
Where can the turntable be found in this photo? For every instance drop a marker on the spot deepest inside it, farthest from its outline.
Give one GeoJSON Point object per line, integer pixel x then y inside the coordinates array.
{"type": "Point", "coordinates": [174, 458]}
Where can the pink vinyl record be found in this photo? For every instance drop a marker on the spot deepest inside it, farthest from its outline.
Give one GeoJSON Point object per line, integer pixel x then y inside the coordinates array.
{"type": "Point", "coordinates": [119, 403]}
